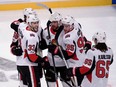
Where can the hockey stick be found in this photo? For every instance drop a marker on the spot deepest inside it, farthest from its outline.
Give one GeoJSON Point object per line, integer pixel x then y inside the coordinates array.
{"type": "Point", "coordinates": [44, 6]}
{"type": "Point", "coordinates": [48, 23]}
{"type": "Point", "coordinates": [50, 43]}
{"type": "Point", "coordinates": [62, 55]}
{"type": "Point", "coordinates": [61, 78]}
{"type": "Point", "coordinates": [67, 66]}
{"type": "Point", "coordinates": [45, 78]}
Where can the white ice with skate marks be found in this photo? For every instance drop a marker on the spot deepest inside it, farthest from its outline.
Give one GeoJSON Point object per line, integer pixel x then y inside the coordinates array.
{"type": "Point", "coordinates": [92, 19]}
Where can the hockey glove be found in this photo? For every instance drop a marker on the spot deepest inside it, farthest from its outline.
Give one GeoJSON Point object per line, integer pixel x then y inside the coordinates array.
{"type": "Point", "coordinates": [42, 44]}
{"type": "Point", "coordinates": [45, 63]}
{"type": "Point", "coordinates": [14, 44]}
{"type": "Point", "coordinates": [55, 51]}
{"type": "Point", "coordinates": [70, 72]}
{"type": "Point", "coordinates": [15, 24]}
{"type": "Point", "coordinates": [51, 48]}
{"type": "Point", "coordinates": [20, 20]}
{"type": "Point", "coordinates": [76, 72]}
{"type": "Point", "coordinates": [17, 50]}
{"type": "Point", "coordinates": [87, 46]}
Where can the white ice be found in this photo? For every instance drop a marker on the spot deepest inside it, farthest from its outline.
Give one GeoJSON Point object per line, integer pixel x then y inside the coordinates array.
{"type": "Point", "coordinates": [92, 19]}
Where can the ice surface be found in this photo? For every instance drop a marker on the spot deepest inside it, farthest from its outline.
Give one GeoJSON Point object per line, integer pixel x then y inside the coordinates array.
{"type": "Point", "coordinates": [92, 19]}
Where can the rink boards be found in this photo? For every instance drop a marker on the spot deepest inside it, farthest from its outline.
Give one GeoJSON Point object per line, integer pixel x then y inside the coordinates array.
{"type": "Point", "coordinates": [19, 4]}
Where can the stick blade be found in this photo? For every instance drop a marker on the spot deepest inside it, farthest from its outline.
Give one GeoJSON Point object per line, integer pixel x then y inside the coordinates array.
{"type": "Point", "coordinates": [44, 6]}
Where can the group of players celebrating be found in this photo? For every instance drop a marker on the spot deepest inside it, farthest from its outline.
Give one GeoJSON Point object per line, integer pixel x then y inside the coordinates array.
{"type": "Point", "coordinates": [71, 57]}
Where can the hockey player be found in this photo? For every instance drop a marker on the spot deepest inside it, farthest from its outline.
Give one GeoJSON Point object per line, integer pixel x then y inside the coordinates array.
{"type": "Point", "coordinates": [15, 46]}
{"type": "Point", "coordinates": [96, 64]}
{"type": "Point", "coordinates": [27, 11]}
{"type": "Point", "coordinates": [57, 65]}
{"type": "Point", "coordinates": [29, 60]}
{"type": "Point", "coordinates": [73, 44]}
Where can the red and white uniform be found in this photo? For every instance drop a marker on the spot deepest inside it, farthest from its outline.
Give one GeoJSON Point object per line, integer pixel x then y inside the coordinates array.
{"type": "Point", "coordinates": [16, 36]}
{"type": "Point", "coordinates": [58, 61]}
{"type": "Point", "coordinates": [29, 41]}
{"type": "Point", "coordinates": [99, 76]}
{"type": "Point", "coordinates": [24, 66]}
{"type": "Point", "coordinates": [23, 26]}
{"type": "Point", "coordinates": [73, 41]}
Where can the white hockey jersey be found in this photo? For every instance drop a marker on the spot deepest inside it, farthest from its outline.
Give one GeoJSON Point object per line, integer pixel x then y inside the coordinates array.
{"type": "Point", "coordinates": [99, 76]}
{"type": "Point", "coordinates": [15, 35]}
{"type": "Point", "coordinates": [74, 44]}
{"type": "Point", "coordinates": [29, 42]}
{"type": "Point", "coordinates": [58, 61]}
{"type": "Point", "coordinates": [16, 38]}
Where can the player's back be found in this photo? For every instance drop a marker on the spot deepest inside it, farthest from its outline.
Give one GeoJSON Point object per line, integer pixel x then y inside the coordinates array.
{"type": "Point", "coordinates": [101, 72]}
{"type": "Point", "coordinates": [99, 76]}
